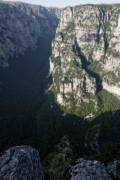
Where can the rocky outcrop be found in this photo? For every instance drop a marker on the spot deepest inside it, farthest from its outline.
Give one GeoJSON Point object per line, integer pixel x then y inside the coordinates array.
{"type": "Point", "coordinates": [21, 26]}
{"type": "Point", "coordinates": [86, 170]}
{"type": "Point", "coordinates": [21, 163]}
{"type": "Point", "coordinates": [62, 164]}
{"type": "Point", "coordinates": [85, 55]}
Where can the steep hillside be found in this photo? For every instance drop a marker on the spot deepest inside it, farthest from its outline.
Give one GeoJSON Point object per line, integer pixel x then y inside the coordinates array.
{"type": "Point", "coordinates": [21, 26]}
{"type": "Point", "coordinates": [26, 33]}
{"type": "Point", "coordinates": [85, 60]}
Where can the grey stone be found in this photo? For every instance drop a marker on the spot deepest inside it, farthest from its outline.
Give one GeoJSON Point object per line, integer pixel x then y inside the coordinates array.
{"type": "Point", "coordinates": [82, 41]}
{"type": "Point", "coordinates": [21, 162]}
{"type": "Point", "coordinates": [21, 26]}
{"type": "Point", "coordinates": [97, 171]}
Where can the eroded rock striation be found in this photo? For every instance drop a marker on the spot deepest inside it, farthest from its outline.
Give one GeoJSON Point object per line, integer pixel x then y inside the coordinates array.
{"type": "Point", "coordinates": [21, 163]}
{"type": "Point", "coordinates": [86, 56]}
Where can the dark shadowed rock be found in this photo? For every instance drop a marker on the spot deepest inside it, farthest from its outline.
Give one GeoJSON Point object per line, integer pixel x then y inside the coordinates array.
{"type": "Point", "coordinates": [21, 26]}
{"type": "Point", "coordinates": [21, 163]}
{"type": "Point", "coordinates": [92, 170]}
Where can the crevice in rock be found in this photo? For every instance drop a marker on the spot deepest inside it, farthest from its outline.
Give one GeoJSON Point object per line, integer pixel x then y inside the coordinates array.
{"type": "Point", "coordinates": [100, 19]}
{"type": "Point", "coordinates": [106, 44]}
{"type": "Point", "coordinates": [72, 11]}
{"type": "Point", "coordinates": [85, 65]}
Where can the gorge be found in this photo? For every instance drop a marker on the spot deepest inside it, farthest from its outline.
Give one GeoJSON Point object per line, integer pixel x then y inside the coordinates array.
{"type": "Point", "coordinates": [59, 87]}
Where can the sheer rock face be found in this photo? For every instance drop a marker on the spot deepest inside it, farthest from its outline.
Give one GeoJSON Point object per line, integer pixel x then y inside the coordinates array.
{"type": "Point", "coordinates": [21, 26]}
{"type": "Point", "coordinates": [21, 162]}
{"type": "Point", "coordinates": [85, 53]}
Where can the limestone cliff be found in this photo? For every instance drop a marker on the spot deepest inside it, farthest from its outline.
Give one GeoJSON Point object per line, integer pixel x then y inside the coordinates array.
{"type": "Point", "coordinates": [21, 26]}
{"type": "Point", "coordinates": [86, 55]}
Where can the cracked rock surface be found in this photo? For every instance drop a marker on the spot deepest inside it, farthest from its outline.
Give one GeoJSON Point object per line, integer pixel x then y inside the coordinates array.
{"type": "Point", "coordinates": [91, 170]}
{"type": "Point", "coordinates": [21, 163]}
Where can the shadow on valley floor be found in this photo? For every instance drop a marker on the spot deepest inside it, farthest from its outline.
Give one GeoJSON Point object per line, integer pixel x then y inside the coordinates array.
{"type": "Point", "coordinates": [22, 91]}
{"type": "Point", "coordinates": [22, 84]}
{"type": "Point", "coordinates": [27, 114]}
{"type": "Point", "coordinates": [30, 116]}
{"type": "Point", "coordinates": [105, 130]}
{"type": "Point", "coordinates": [49, 123]}
{"type": "Point", "coordinates": [44, 129]}
{"type": "Point", "coordinates": [109, 126]}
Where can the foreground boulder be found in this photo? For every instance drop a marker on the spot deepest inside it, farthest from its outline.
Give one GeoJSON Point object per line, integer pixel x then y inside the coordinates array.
{"type": "Point", "coordinates": [92, 170]}
{"type": "Point", "coordinates": [21, 163]}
